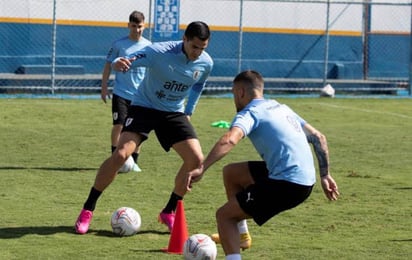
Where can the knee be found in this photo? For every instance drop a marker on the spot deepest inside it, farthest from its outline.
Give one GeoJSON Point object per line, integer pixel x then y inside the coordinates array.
{"type": "Point", "coordinates": [199, 159]}
{"type": "Point", "coordinates": [227, 171]}
{"type": "Point", "coordinates": [119, 155]}
{"type": "Point", "coordinates": [195, 161]}
{"type": "Point", "coordinates": [219, 214]}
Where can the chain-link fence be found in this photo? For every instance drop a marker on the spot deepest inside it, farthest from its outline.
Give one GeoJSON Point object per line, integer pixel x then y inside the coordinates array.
{"type": "Point", "coordinates": [60, 45]}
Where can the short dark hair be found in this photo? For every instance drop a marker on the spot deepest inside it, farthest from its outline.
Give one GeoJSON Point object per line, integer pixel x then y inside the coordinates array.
{"type": "Point", "coordinates": [136, 17]}
{"type": "Point", "coordinates": [251, 78]}
{"type": "Point", "coordinates": [197, 29]}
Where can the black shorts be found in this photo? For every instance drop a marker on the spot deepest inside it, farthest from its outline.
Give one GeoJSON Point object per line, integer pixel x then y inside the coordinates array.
{"type": "Point", "coordinates": [267, 197]}
{"type": "Point", "coordinates": [170, 127]}
{"type": "Point", "coordinates": [119, 109]}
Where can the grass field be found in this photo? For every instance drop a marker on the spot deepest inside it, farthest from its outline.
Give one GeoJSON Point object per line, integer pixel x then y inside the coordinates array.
{"type": "Point", "coordinates": [51, 149]}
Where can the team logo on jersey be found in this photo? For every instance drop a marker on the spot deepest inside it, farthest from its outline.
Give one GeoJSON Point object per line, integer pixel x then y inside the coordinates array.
{"type": "Point", "coordinates": [196, 74]}
{"type": "Point", "coordinates": [294, 123]}
{"type": "Point", "coordinates": [129, 121]}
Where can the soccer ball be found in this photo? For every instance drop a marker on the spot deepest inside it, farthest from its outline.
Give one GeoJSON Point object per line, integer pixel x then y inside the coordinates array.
{"type": "Point", "coordinates": [199, 247]}
{"type": "Point", "coordinates": [126, 221]}
{"type": "Point", "coordinates": [127, 166]}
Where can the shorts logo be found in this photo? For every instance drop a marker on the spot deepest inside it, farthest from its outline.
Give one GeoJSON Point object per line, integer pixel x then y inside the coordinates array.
{"type": "Point", "coordinates": [128, 121]}
{"type": "Point", "coordinates": [249, 198]}
{"type": "Point", "coordinates": [115, 115]}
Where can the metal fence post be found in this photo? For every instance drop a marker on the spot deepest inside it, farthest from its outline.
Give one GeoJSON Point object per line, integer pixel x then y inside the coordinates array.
{"type": "Point", "coordinates": [410, 58]}
{"type": "Point", "coordinates": [150, 23]}
{"type": "Point", "coordinates": [239, 63]}
{"type": "Point", "coordinates": [326, 60]}
{"type": "Point", "coordinates": [366, 28]}
{"type": "Point", "coordinates": [53, 63]}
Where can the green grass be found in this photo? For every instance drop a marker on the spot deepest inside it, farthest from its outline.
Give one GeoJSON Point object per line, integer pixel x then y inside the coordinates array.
{"type": "Point", "coordinates": [51, 149]}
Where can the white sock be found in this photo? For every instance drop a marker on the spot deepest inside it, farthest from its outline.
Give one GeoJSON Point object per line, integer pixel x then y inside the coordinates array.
{"type": "Point", "coordinates": [233, 257]}
{"type": "Point", "coordinates": [242, 227]}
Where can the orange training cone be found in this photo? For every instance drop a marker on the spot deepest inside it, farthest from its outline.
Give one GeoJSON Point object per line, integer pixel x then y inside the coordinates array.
{"type": "Point", "coordinates": [179, 233]}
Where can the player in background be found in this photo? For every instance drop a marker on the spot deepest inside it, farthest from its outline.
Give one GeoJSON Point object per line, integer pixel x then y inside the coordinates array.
{"type": "Point", "coordinates": [176, 73]}
{"type": "Point", "coordinates": [125, 83]}
{"type": "Point", "coordinates": [285, 176]}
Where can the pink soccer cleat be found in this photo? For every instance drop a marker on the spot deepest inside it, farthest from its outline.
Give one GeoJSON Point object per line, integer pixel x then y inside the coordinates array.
{"type": "Point", "coordinates": [83, 221]}
{"type": "Point", "coordinates": [168, 219]}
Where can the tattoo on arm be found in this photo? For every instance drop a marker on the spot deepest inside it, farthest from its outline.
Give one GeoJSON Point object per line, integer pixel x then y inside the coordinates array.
{"type": "Point", "coordinates": [321, 154]}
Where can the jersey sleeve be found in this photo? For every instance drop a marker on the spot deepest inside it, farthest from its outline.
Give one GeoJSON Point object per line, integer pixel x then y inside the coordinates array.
{"type": "Point", "coordinates": [143, 57]}
{"type": "Point", "coordinates": [245, 121]}
{"type": "Point", "coordinates": [300, 120]}
{"type": "Point", "coordinates": [113, 53]}
{"type": "Point", "coordinates": [196, 91]}
{"type": "Point", "coordinates": [193, 98]}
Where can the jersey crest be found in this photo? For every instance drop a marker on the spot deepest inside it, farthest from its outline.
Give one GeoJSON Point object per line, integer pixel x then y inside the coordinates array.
{"type": "Point", "coordinates": [196, 74]}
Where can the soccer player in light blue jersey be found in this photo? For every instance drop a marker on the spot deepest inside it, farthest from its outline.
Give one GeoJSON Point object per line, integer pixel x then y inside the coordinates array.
{"type": "Point", "coordinates": [285, 176]}
{"type": "Point", "coordinates": [125, 83]}
{"type": "Point", "coordinates": [176, 73]}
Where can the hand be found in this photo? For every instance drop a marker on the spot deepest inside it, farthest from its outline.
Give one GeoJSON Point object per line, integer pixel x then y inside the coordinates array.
{"type": "Point", "coordinates": [194, 176]}
{"type": "Point", "coordinates": [105, 93]}
{"type": "Point", "coordinates": [330, 188]}
{"type": "Point", "coordinates": [123, 64]}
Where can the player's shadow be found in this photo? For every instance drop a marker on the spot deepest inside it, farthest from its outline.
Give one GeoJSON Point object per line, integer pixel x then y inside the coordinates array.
{"type": "Point", "coordinates": [18, 232]}
{"type": "Point", "coordinates": [401, 240]}
{"type": "Point", "coordinates": [403, 188]}
{"type": "Point", "coordinates": [107, 233]}
{"type": "Point", "coordinates": [65, 169]}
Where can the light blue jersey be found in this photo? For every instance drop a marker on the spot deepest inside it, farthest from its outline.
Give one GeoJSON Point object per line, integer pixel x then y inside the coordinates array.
{"type": "Point", "coordinates": [126, 84]}
{"type": "Point", "coordinates": [277, 134]}
{"type": "Point", "coordinates": [170, 77]}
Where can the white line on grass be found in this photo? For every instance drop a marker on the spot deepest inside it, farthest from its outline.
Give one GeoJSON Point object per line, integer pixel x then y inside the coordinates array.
{"type": "Point", "coordinates": [367, 110]}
